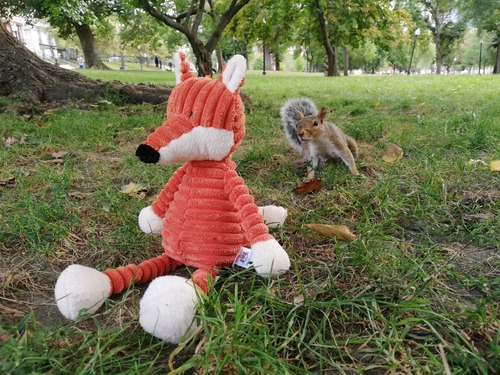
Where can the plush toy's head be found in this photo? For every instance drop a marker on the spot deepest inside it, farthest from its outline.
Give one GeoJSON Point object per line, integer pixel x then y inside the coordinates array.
{"type": "Point", "coordinates": [205, 117]}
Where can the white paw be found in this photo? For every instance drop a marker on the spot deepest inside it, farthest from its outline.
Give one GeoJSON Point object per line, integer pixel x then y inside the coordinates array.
{"type": "Point", "coordinates": [149, 222]}
{"type": "Point", "coordinates": [274, 216]}
{"type": "Point", "coordinates": [79, 287]}
{"type": "Point", "coordinates": [168, 307]}
{"type": "Point", "coordinates": [269, 258]}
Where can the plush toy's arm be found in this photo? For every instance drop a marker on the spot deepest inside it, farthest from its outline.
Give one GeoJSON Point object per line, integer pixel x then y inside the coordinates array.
{"type": "Point", "coordinates": [268, 257]}
{"type": "Point", "coordinates": [252, 221]}
{"type": "Point", "coordinates": [151, 217]}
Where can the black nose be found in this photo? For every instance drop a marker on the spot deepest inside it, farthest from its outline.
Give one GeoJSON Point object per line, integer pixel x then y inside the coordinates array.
{"type": "Point", "coordinates": [147, 154]}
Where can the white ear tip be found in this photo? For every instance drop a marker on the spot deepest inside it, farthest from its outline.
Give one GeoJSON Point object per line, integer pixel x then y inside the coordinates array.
{"type": "Point", "coordinates": [239, 60]}
{"type": "Point", "coordinates": [177, 67]}
{"type": "Point", "coordinates": [234, 73]}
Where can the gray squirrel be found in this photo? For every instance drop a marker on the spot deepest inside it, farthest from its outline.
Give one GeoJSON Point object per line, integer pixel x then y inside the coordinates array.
{"type": "Point", "coordinates": [316, 139]}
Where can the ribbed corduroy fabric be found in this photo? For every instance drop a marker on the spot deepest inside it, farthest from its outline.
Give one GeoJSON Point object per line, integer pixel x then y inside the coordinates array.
{"type": "Point", "coordinates": [209, 213]}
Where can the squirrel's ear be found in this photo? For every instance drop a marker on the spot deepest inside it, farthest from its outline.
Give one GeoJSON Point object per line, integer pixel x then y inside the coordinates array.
{"type": "Point", "coordinates": [322, 113]}
{"type": "Point", "coordinates": [300, 114]}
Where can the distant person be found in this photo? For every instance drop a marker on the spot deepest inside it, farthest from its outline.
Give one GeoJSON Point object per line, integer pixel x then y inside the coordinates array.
{"type": "Point", "coordinates": [81, 62]}
{"type": "Point", "coordinates": [156, 61]}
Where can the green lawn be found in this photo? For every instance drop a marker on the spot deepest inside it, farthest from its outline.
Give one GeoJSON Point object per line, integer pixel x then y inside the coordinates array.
{"type": "Point", "coordinates": [417, 292]}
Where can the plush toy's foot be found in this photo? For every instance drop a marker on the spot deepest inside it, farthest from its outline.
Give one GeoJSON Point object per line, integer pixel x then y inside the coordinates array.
{"type": "Point", "coordinates": [168, 308]}
{"type": "Point", "coordinates": [274, 216]}
{"type": "Point", "coordinates": [79, 287]}
{"type": "Point", "coordinates": [269, 258]}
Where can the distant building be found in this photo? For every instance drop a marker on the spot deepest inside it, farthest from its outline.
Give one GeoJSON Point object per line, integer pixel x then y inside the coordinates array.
{"type": "Point", "coordinates": [34, 37]}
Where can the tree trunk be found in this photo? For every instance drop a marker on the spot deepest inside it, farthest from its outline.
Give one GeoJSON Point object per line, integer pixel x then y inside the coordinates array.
{"type": "Point", "coordinates": [345, 57]}
{"type": "Point", "coordinates": [87, 41]}
{"type": "Point", "coordinates": [439, 57]}
{"type": "Point", "coordinates": [220, 60]}
{"type": "Point", "coordinates": [22, 73]}
{"type": "Point", "coordinates": [203, 58]}
{"type": "Point", "coordinates": [332, 68]}
{"type": "Point", "coordinates": [437, 37]}
{"type": "Point", "coordinates": [496, 68]}
{"type": "Point", "coordinates": [267, 57]}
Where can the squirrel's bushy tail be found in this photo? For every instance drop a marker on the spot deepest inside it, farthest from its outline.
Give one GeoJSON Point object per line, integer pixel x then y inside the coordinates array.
{"type": "Point", "coordinates": [291, 112]}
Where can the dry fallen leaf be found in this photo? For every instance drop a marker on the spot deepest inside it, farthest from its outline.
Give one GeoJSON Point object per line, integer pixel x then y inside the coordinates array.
{"type": "Point", "coordinates": [312, 186]}
{"type": "Point", "coordinates": [392, 154]}
{"type": "Point", "coordinates": [495, 166]}
{"type": "Point", "coordinates": [59, 155]}
{"type": "Point", "coordinates": [9, 142]}
{"type": "Point", "coordinates": [127, 189]}
{"type": "Point", "coordinates": [78, 194]}
{"type": "Point", "coordinates": [337, 231]}
{"type": "Point", "coordinates": [134, 189]}
{"type": "Point", "coordinates": [9, 182]}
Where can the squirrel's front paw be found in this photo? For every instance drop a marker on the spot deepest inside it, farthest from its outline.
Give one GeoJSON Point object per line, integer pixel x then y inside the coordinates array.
{"type": "Point", "coordinates": [269, 258]}
{"type": "Point", "coordinates": [274, 216]}
{"type": "Point", "coordinates": [149, 222]}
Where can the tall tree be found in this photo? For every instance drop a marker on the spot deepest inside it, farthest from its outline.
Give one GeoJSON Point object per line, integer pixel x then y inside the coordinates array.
{"type": "Point", "coordinates": [485, 15]}
{"type": "Point", "coordinates": [268, 23]}
{"type": "Point", "coordinates": [202, 22]}
{"type": "Point", "coordinates": [444, 22]}
{"type": "Point", "coordinates": [329, 41]}
{"type": "Point", "coordinates": [68, 16]}
{"type": "Point", "coordinates": [348, 23]}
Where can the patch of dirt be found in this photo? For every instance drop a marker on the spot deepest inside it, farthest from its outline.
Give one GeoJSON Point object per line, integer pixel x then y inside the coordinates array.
{"type": "Point", "coordinates": [27, 284]}
{"type": "Point", "coordinates": [478, 261]}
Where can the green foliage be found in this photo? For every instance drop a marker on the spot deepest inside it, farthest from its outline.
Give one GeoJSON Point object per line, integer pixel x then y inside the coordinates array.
{"type": "Point", "coordinates": [64, 14]}
{"type": "Point", "coordinates": [443, 20]}
{"type": "Point", "coordinates": [484, 13]}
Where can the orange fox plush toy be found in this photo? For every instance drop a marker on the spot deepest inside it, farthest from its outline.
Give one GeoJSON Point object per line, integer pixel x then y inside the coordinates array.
{"type": "Point", "coordinates": [204, 213]}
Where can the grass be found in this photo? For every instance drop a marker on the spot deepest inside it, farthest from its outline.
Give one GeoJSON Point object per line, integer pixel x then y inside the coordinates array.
{"type": "Point", "coordinates": [418, 292]}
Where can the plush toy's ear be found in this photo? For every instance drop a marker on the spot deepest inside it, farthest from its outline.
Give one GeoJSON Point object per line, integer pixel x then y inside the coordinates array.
{"type": "Point", "coordinates": [177, 68]}
{"type": "Point", "coordinates": [182, 68]}
{"type": "Point", "coordinates": [233, 75]}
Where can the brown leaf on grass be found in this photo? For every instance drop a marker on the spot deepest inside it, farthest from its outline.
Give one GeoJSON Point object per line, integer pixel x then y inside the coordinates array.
{"type": "Point", "coordinates": [59, 155]}
{"type": "Point", "coordinates": [312, 186]}
{"type": "Point", "coordinates": [9, 182]}
{"type": "Point", "coordinates": [337, 231]}
{"type": "Point", "coordinates": [75, 194]}
{"type": "Point", "coordinates": [392, 153]}
{"type": "Point", "coordinates": [134, 189]}
{"type": "Point", "coordinates": [495, 166]}
{"type": "Point", "coordinates": [11, 141]}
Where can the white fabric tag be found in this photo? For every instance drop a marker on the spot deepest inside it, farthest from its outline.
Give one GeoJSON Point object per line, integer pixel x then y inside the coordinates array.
{"type": "Point", "coordinates": [244, 258]}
